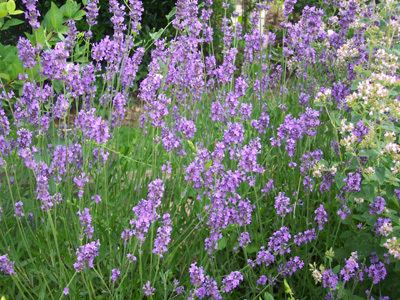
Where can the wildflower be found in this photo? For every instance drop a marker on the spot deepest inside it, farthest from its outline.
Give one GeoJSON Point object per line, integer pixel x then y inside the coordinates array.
{"type": "Point", "coordinates": [18, 210]}
{"type": "Point", "coordinates": [378, 206]}
{"type": "Point", "coordinates": [6, 265]}
{"type": "Point", "coordinates": [32, 13]}
{"type": "Point", "coordinates": [85, 255]}
{"type": "Point", "coordinates": [321, 217]}
{"type": "Point", "coordinates": [329, 279]}
{"type": "Point", "coordinates": [282, 205]}
{"type": "Point", "coordinates": [291, 266]}
{"type": "Point", "coordinates": [114, 274]}
{"type": "Point", "coordinates": [231, 281]}
{"type": "Point", "coordinates": [66, 291]}
{"type": "Point", "coordinates": [196, 275]}
{"type": "Point", "coordinates": [86, 220]}
{"type": "Point", "coordinates": [393, 245]}
{"type": "Point", "coordinates": [148, 290]}
{"type": "Point", "coordinates": [163, 236]}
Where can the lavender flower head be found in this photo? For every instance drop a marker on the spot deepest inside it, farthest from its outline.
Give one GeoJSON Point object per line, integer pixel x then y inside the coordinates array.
{"type": "Point", "coordinates": [282, 205]}
{"type": "Point", "coordinates": [321, 217]}
{"type": "Point", "coordinates": [92, 12]}
{"type": "Point", "coordinates": [163, 236]}
{"type": "Point", "coordinates": [378, 206]}
{"type": "Point", "coordinates": [85, 255]}
{"type": "Point", "coordinates": [32, 13]}
{"type": "Point", "coordinates": [114, 274]}
{"type": "Point", "coordinates": [6, 265]}
{"type": "Point", "coordinates": [231, 281]}
{"type": "Point", "coordinates": [18, 210]}
{"type": "Point", "coordinates": [196, 275]}
{"type": "Point", "coordinates": [148, 290]}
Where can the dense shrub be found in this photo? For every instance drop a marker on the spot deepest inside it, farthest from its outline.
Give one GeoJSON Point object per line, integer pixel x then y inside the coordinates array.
{"type": "Point", "coordinates": [269, 178]}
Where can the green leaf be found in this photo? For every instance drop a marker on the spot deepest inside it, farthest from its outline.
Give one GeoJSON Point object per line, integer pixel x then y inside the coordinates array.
{"type": "Point", "coordinates": [339, 180]}
{"type": "Point", "coordinates": [222, 243]}
{"type": "Point", "coordinates": [156, 35]}
{"type": "Point", "coordinates": [3, 10]}
{"type": "Point", "coordinates": [251, 249]}
{"type": "Point", "coordinates": [380, 174]}
{"type": "Point", "coordinates": [11, 6]}
{"type": "Point", "coordinates": [369, 153]}
{"type": "Point", "coordinates": [268, 296]}
{"type": "Point", "coordinates": [16, 12]}
{"type": "Point", "coordinates": [355, 84]}
{"type": "Point", "coordinates": [5, 76]}
{"type": "Point", "coordinates": [369, 191]}
{"type": "Point", "coordinates": [336, 269]}
{"type": "Point", "coordinates": [70, 8]}
{"type": "Point", "coordinates": [12, 22]}
{"type": "Point", "coordinates": [171, 13]}
{"type": "Point", "coordinates": [78, 15]}
{"type": "Point", "coordinates": [56, 17]}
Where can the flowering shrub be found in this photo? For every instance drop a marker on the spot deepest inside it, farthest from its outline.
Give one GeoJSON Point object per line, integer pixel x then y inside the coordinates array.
{"type": "Point", "coordinates": [271, 173]}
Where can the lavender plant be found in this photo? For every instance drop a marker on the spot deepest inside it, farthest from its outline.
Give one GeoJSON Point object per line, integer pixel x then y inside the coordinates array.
{"type": "Point", "coordinates": [248, 178]}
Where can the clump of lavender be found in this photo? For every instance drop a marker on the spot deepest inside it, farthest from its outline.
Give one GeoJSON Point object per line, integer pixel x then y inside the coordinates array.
{"type": "Point", "coordinates": [135, 13]}
{"type": "Point", "coordinates": [114, 274]}
{"type": "Point", "coordinates": [146, 211]}
{"type": "Point", "coordinates": [330, 280]}
{"type": "Point", "coordinates": [163, 236]}
{"type": "Point", "coordinates": [92, 12]}
{"type": "Point", "coordinates": [92, 128]}
{"type": "Point", "coordinates": [290, 267]}
{"type": "Point", "coordinates": [288, 7]}
{"type": "Point", "coordinates": [378, 206]}
{"type": "Point", "coordinates": [32, 13]}
{"type": "Point", "coordinates": [282, 205]}
{"type": "Point", "coordinates": [6, 265]}
{"type": "Point", "coordinates": [279, 241]}
{"type": "Point", "coordinates": [86, 222]}
{"type": "Point", "coordinates": [26, 52]}
{"type": "Point", "coordinates": [85, 256]}
{"type": "Point", "coordinates": [80, 182]}
{"type": "Point", "coordinates": [18, 210]}
{"type": "Point", "coordinates": [321, 217]}
{"type": "Point", "coordinates": [231, 281]}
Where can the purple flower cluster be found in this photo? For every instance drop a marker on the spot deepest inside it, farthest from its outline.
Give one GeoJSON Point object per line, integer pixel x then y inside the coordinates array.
{"type": "Point", "coordinates": [86, 222]}
{"type": "Point", "coordinates": [135, 13]}
{"type": "Point", "coordinates": [18, 210]}
{"type": "Point", "coordinates": [146, 214]}
{"type": "Point", "coordinates": [85, 256]}
{"type": "Point", "coordinates": [291, 266]}
{"type": "Point", "coordinates": [353, 182]}
{"type": "Point", "coordinates": [321, 217]}
{"type": "Point", "coordinates": [93, 128]}
{"type": "Point", "coordinates": [305, 237]}
{"type": "Point", "coordinates": [163, 236]}
{"type": "Point", "coordinates": [32, 13]}
{"type": "Point", "coordinates": [282, 205]}
{"type": "Point", "coordinates": [231, 281]}
{"type": "Point", "coordinates": [92, 12]}
{"type": "Point", "coordinates": [114, 274]}
{"type": "Point", "coordinates": [26, 52]}
{"type": "Point", "coordinates": [292, 130]}
{"type": "Point", "coordinates": [148, 290]}
{"type": "Point", "coordinates": [377, 206]}
{"type": "Point", "coordinates": [330, 280]}
{"type": "Point", "coordinates": [6, 265]}
{"type": "Point", "coordinates": [204, 285]}
{"type": "Point", "coordinates": [278, 242]}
